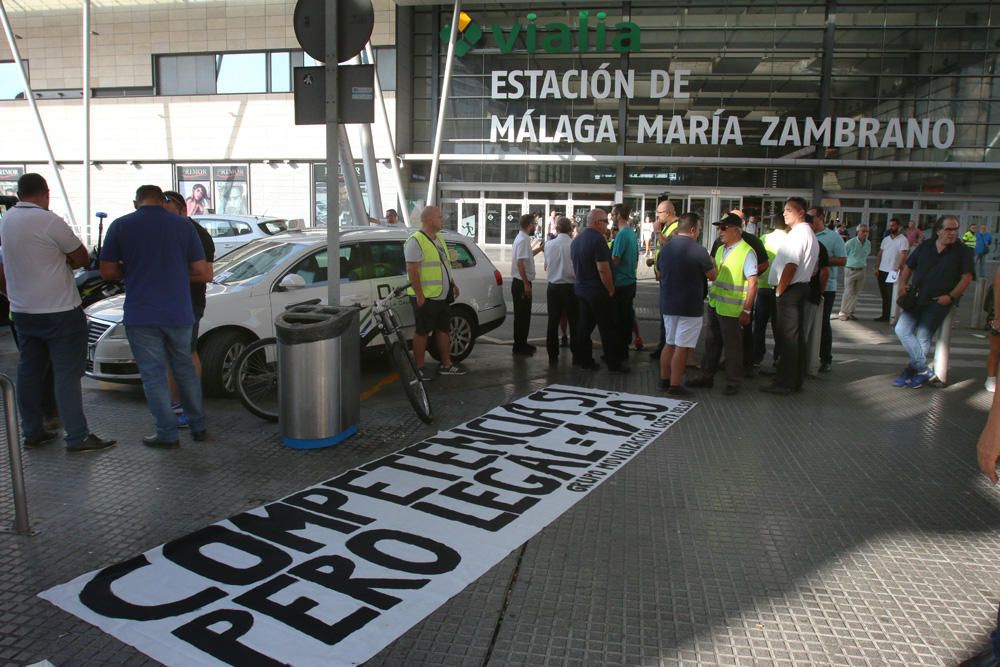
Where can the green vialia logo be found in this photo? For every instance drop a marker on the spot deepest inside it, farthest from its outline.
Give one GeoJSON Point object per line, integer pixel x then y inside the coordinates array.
{"type": "Point", "coordinates": [622, 37]}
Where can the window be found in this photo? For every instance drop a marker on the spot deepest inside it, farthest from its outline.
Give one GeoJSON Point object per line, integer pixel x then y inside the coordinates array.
{"type": "Point", "coordinates": [352, 263]}
{"type": "Point", "coordinates": [241, 228]}
{"type": "Point", "coordinates": [385, 66]}
{"type": "Point", "coordinates": [313, 269]}
{"type": "Point", "coordinates": [461, 257]}
{"type": "Point", "coordinates": [227, 73]}
{"type": "Point", "coordinates": [386, 259]}
{"type": "Point", "coordinates": [217, 228]}
{"type": "Point", "coordinates": [11, 86]}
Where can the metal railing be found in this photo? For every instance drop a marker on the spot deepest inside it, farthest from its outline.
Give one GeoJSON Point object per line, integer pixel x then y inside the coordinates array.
{"type": "Point", "coordinates": [13, 434]}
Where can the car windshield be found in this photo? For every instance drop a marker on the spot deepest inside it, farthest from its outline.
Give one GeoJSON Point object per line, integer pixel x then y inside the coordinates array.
{"type": "Point", "coordinates": [273, 226]}
{"type": "Point", "coordinates": [249, 264]}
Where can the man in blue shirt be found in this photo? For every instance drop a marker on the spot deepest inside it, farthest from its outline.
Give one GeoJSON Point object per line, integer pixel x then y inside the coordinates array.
{"type": "Point", "coordinates": [594, 288]}
{"type": "Point", "coordinates": [158, 254]}
{"type": "Point", "coordinates": [983, 242]}
{"type": "Point", "coordinates": [837, 252]}
{"type": "Point", "coordinates": [625, 259]}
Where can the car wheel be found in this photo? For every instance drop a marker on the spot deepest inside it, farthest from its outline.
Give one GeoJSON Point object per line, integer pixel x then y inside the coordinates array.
{"type": "Point", "coordinates": [218, 357]}
{"type": "Point", "coordinates": [461, 335]}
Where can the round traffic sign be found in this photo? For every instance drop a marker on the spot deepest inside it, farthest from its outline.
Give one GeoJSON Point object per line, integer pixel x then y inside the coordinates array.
{"type": "Point", "coordinates": [355, 22]}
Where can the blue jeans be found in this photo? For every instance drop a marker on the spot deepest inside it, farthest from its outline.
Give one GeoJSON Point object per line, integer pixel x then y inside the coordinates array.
{"type": "Point", "coordinates": [59, 338]}
{"type": "Point", "coordinates": [981, 266]}
{"type": "Point", "coordinates": [915, 331]}
{"type": "Point", "coordinates": [154, 348]}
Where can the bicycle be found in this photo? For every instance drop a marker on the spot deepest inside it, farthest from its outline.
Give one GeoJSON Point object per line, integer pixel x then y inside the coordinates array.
{"type": "Point", "coordinates": [256, 369]}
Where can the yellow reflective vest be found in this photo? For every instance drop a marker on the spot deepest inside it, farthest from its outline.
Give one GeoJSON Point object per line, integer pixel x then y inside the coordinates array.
{"type": "Point", "coordinates": [431, 268]}
{"type": "Point", "coordinates": [772, 242]}
{"type": "Point", "coordinates": [729, 291]}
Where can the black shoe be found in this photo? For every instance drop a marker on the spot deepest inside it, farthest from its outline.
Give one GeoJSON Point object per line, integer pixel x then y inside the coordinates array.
{"type": "Point", "coordinates": [731, 390]}
{"type": "Point", "coordinates": [199, 436]}
{"type": "Point", "coordinates": [664, 385]}
{"type": "Point", "coordinates": [680, 391]}
{"type": "Point", "coordinates": [525, 351]}
{"type": "Point", "coordinates": [40, 438]}
{"type": "Point", "coordinates": [776, 389]}
{"type": "Point", "coordinates": [704, 381]}
{"type": "Point", "coordinates": [825, 367]}
{"type": "Point", "coordinates": [588, 366]}
{"type": "Point", "coordinates": [564, 342]}
{"type": "Point", "coordinates": [153, 441]}
{"type": "Point", "coordinates": [91, 443]}
{"type": "Point", "coordinates": [881, 319]}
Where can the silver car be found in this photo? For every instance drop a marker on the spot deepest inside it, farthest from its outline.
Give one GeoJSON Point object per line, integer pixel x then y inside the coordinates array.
{"type": "Point", "coordinates": [230, 232]}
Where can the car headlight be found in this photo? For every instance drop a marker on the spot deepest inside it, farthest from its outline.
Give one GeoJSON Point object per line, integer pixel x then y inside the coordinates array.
{"type": "Point", "coordinates": [117, 332]}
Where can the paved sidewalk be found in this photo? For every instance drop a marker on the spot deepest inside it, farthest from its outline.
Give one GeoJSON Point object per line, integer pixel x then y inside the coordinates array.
{"type": "Point", "coordinates": [846, 525]}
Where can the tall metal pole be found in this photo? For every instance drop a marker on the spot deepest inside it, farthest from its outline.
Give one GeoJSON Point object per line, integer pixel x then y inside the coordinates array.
{"type": "Point", "coordinates": [21, 525]}
{"type": "Point", "coordinates": [354, 197]}
{"type": "Point", "coordinates": [332, 157]}
{"type": "Point", "coordinates": [445, 87]}
{"type": "Point", "coordinates": [86, 123]}
{"type": "Point", "coordinates": [404, 209]}
{"type": "Point", "coordinates": [30, 95]}
{"type": "Point", "coordinates": [368, 159]}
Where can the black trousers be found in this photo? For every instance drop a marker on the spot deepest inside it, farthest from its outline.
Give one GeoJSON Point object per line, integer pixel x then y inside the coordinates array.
{"type": "Point", "coordinates": [621, 304]}
{"type": "Point", "coordinates": [764, 310]}
{"type": "Point", "coordinates": [791, 336]}
{"type": "Point", "coordinates": [522, 313]}
{"type": "Point", "coordinates": [826, 332]}
{"type": "Point", "coordinates": [595, 311]}
{"type": "Point", "coordinates": [723, 333]}
{"type": "Point", "coordinates": [885, 291]}
{"type": "Point", "coordinates": [560, 300]}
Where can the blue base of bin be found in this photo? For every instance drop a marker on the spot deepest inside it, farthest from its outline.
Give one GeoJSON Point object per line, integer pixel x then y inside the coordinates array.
{"type": "Point", "coordinates": [300, 443]}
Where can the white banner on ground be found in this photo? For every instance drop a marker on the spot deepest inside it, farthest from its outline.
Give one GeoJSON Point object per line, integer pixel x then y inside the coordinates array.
{"type": "Point", "coordinates": [334, 573]}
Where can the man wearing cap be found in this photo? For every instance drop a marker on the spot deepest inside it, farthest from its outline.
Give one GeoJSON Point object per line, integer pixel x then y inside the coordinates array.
{"type": "Point", "coordinates": [730, 301]}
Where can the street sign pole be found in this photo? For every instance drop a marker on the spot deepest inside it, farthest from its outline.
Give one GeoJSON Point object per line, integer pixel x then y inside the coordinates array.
{"type": "Point", "coordinates": [332, 157]}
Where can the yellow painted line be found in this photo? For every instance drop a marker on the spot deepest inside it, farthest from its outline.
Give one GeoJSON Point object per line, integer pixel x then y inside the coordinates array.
{"type": "Point", "coordinates": [379, 386]}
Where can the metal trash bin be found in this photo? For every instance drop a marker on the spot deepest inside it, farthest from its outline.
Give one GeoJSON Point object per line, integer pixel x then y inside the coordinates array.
{"type": "Point", "coordinates": [319, 375]}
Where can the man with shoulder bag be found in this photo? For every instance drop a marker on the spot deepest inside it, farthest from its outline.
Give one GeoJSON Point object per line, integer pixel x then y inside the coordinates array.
{"type": "Point", "coordinates": [935, 276]}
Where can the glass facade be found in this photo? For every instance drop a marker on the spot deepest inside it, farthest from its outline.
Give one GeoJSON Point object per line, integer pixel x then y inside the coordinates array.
{"type": "Point", "coordinates": [900, 82]}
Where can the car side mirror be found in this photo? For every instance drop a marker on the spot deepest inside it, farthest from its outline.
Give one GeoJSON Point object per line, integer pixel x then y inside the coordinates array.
{"type": "Point", "coordinates": [291, 282]}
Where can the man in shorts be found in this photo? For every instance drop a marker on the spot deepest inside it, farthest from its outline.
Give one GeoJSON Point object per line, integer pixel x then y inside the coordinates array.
{"type": "Point", "coordinates": [685, 268]}
{"type": "Point", "coordinates": [428, 266]}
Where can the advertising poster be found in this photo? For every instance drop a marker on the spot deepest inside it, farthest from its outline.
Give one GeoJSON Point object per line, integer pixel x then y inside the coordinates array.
{"type": "Point", "coordinates": [8, 180]}
{"type": "Point", "coordinates": [232, 195]}
{"type": "Point", "coordinates": [195, 183]}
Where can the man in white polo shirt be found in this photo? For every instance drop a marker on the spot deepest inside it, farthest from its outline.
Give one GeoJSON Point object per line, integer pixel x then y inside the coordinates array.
{"type": "Point", "coordinates": [560, 300]}
{"type": "Point", "coordinates": [40, 252]}
{"type": "Point", "coordinates": [891, 257]}
{"type": "Point", "coordinates": [522, 275]}
{"type": "Point", "coordinates": [793, 267]}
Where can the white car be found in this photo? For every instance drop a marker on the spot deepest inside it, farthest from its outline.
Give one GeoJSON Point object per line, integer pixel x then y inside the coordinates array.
{"type": "Point", "coordinates": [230, 232]}
{"type": "Point", "coordinates": [258, 281]}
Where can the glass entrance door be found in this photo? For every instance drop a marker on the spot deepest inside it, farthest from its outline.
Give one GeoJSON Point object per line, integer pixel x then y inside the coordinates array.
{"type": "Point", "coordinates": [468, 222]}
{"type": "Point", "coordinates": [512, 222]}
{"type": "Point", "coordinates": [494, 223]}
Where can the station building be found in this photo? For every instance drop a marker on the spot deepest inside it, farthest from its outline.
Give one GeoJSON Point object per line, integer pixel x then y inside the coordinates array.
{"type": "Point", "coordinates": [873, 108]}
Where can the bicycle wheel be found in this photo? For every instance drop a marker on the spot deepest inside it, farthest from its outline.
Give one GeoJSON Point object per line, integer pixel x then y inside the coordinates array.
{"type": "Point", "coordinates": [407, 369]}
{"type": "Point", "coordinates": [256, 378]}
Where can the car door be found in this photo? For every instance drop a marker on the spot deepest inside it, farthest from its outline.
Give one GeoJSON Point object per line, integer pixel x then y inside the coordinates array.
{"type": "Point", "coordinates": [312, 268]}
{"type": "Point", "coordinates": [223, 235]}
{"type": "Point", "coordinates": [388, 271]}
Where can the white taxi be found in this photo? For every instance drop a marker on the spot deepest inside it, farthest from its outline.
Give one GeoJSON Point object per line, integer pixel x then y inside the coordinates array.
{"type": "Point", "coordinates": [255, 283]}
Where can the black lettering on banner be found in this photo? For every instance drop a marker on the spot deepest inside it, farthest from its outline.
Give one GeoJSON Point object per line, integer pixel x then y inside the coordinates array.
{"type": "Point", "coordinates": [98, 596]}
{"type": "Point", "coordinates": [635, 407]}
{"type": "Point", "coordinates": [186, 552]}
{"type": "Point", "coordinates": [365, 545]}
{"type": "Point", "coordinates": [599, 414]}
{"type": "Point", "coordinates": [539, 414]}
{"type": "Point", "coordinates": [479, 425]}
{"type": "Point", "coordinates": [330, 505]}
{"type": "Point", "coordinates": [580, 391]}
{"type": "Point", "coordinates": [282, 519]}
{"type": "Point", "coordinates": [487, 499]}
{"type": "Point", "coordinates": [540, 486]}
{"type": "Point", "coordinates": [296, 613]}
{"type": "Point", "coordinates": [543, 397]}
{"type": "Point", "coordinates": [492, 524]}
{"type": "Point", "coordinates": [586, 429]}
{"type": "Point", "coordinates": [447, 457]}
{"type": "Point", "coordinates": [334, 572]}
{"type": "Point", "coordinates": [376, 490]}
{"type": "Point", "coordinates": [395, 461]}
{"type": "Point", "coordinates": [485, 437]}
{"type": "Point", "coordinates": [593, 455]}
{"type": "Point", "coordinates": [547, 466]}
{"type": "Point", "coordinates": [608, 410]}
{"type": "Point", "coordinates": [225, 645]}
{"type": "Point", "coordinates": [463, 442]}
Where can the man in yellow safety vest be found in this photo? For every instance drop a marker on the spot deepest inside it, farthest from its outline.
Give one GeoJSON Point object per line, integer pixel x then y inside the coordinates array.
{"type": "Point", "coordinates": [730, 301]}
{"type": "Point", "coordinates": [766, 306]}
{"type": "Point", "coordinates": [428, 266]}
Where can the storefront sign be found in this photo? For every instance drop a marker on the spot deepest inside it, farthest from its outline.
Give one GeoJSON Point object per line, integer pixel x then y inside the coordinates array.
{"type": "Point", "coordinates": [9, 177]}
{"type": "Point", "coordinates": [332, 574]}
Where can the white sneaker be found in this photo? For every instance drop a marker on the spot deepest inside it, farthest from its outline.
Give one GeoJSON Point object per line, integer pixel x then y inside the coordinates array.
{"type": "Point", "coordinates": [991, 383]}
